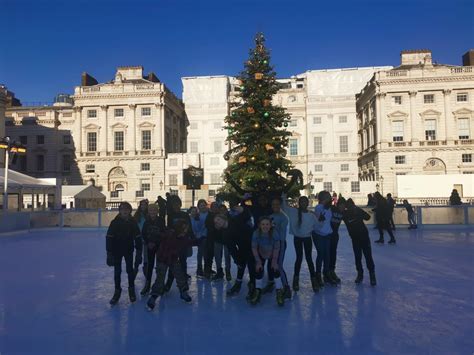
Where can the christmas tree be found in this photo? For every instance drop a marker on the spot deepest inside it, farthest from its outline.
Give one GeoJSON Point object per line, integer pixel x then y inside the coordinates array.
{"type": "Point", "coordinates": [256, 128]}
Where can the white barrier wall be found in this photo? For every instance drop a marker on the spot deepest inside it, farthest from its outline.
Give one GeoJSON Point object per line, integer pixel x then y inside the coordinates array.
{"type": "Point", "coordinates": [425, 186]}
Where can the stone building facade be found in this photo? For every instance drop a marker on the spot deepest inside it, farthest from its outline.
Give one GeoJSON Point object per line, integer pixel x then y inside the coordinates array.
{"type": "Point", "coordinates": [3, 104]}
{"type": "Point", "coordinates": [416, 119]}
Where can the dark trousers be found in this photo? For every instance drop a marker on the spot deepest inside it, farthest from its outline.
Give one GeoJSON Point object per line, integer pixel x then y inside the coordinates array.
{"type": "Point", "coordinates": [391, 222]}
{"type": "Point", "coordinates": [271, 273]}
{"type": "Point", "coordinates": [150, 262]}
{"type": "Point", "coordinates": [241, 253]}
{"type": "Point", "coordinates": [307, 245]}
{"type": "Point", "coordinates": [411, 219]}
{"type": "Point", "coordinates": [323, 246]}
{"type": "Point", "coordinates": [183, 263]}
{"type": "Point", "coordinates": [175, 269]}
{"type": "Point", "coordinates": [333, 251]}
{"type": "Point", "coordinates": [128, 267]}
{"type": "Point", "coordinates": [386, 226]}
{"type": "Point", "coordinates": [209, 253]}
{"type": "Point", "coordinates": [201, 253]}
{"type": "Point", "coordinates": [362, 245]}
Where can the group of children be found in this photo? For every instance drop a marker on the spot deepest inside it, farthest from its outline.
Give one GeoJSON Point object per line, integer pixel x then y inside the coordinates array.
{"type": "Point", "coordinates": [252, 234]}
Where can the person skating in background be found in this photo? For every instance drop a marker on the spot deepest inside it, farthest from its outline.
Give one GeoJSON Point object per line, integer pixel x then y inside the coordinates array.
{"type": "Point", "coordinates": [172, 245]}
{"type": "Point", "coordinates": [301, 225]}
{"type": "Point", "coordinates": [209, 255]}
{"type": "Point", "coordinates": [201, 233]}
{"type": "Point", "coordinates": [153, 228]}
{"type": "Point", "coordinates": [140, 216]}
{"type": "Point", "coordinates": [336, 219]}
{"type": "Point", "coordinates": [382, 216]}
{"type": "Point", "coordinates": [391, 207]}
{"type": "Point", "coordinates": [322, 233]}
{"type": "Point", "coordinates": [353, 218]}
{"type": "Point", "coordinates": [455, 199]}
{"type": "Point", "coordinates": [123, 236]}
{"type": "Point", "coordinates": [221, 250]}
{"type": "Point", "coordinates": [280, 223]}
{"type": "Point", "coordinates": [174, 215]}
{"type": "Point", "coordinates": [411, 214]}
{"type": "Point", "coordinates": [161, 202]}
{"type": "Point", "coordinates": [266, 249]}
{"type": "Point", "coordinates": [334, 198]}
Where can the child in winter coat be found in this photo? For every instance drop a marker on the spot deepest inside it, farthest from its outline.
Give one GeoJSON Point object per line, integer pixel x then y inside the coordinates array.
{"type": "Point", "coordinates": [122, 237]}
{"type": "Point", "coordinates": [266, 249]}
{"type": "Point", "coordinates": [173, 242]}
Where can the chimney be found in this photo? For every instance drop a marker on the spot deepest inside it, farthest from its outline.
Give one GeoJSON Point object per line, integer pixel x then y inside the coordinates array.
{"type": "Point", "coordinates": [87, 80]}
{"type": "Point", "coordinates": [416, 57]}
{"type": "Point", "coordinates": [468, 58]}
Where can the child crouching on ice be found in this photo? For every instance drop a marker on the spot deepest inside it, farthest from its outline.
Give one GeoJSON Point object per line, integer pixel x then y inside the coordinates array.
{"type": "Point", "coordinates": [266, 249]}
{"type": "Point", "coordinates": [172, 244]}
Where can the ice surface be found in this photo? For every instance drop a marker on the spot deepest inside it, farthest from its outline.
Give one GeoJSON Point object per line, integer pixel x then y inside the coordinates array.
{"type": "Point", "coordinates": [55, 288]}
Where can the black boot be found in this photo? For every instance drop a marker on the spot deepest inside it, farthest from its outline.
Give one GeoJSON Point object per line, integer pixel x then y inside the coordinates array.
{"type": "Point", "coordinates": [251, 287]}
{"type": "Point", "coordinates": [151, 302]}
{"type": "Point", "coordinates": [234, 289]}
{"type": "Point", "coordinates": [280, 297]}
{"type": "Point", "coordinates": [380, 241]}
{"type": "Point", "coordinates": [335, 277]}
{"type": "Point", "coordinates": [315, 283]}
{"type": "Point", "coordinates": [268, 287]}
{"type": "Point", "coordinates": [185, 297]}
{"type": "Point", "coordinates": [287, 292]}
{"type": "Point", "coordinates": [256, 295]}
{"type": "Point", "coordinates": [296, 283]}
{"type": "Point", "coordinates": [329, 279]}
{"type": "Point", "coordinates": [373, 280]}
{"type": "Point", "coordinates": [319, 279]}
{"type": "Point", "coordinates": [131, 294]}
{"type": "Point", "coordinates": [146, 289]}
{"type": "Point", "coordinates": [359, 278]}
{"type": "Point", "coordinates": [116, 296]}
{"type": "Point", "coordinates": [219, 275]}
{"type": "Point", "coordinates": [392, 241]}
{"type": "Point", "coordinates": [228, 275]}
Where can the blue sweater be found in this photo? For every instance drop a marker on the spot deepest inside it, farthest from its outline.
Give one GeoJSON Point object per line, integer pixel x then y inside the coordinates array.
{"type": "Point", "coordinates": [280, 223]}
{"type": "Point", "coordinates": [308, 220]}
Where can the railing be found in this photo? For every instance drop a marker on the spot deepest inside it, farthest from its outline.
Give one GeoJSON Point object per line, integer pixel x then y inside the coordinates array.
{"type": "Point", "coordinates": [461, 70]}
{"type": "Point", "coordinates": [397, 73]}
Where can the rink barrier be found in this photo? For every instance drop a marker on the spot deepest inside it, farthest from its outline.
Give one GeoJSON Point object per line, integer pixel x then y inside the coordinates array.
{"type": "Point", "coordinates": [15, 221]}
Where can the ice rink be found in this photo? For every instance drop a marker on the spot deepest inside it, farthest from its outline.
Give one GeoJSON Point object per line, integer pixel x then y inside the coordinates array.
{"type": "Point", "coordinates": [55, 288]}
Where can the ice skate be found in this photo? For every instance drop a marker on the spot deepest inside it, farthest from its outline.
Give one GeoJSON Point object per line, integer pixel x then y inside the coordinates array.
{"type": "Point", "coordinates": [315, 283]}
{"type": "Point", "coordinates": [359, 278]}
{"type": "Point", "coordinates": [251, 287]}
{"type": "Point", "coordinates": [255, 298]}
{"type": "Point", "coordinates": [116, 296]}
{"type": "Point", "coordinates": [373, 280]}
{"type": "Point", "coordinates": [380, 241]}
{"type": "Point", "coordinates": [235, 289]}
{"type": "Point", "coordinates": [185, 297]}
{"type": "Point", "coordinates": [268, 287]}
{"type": "Point", "coordinates": [218, 276]}
{"type": "Point", "coordinates": [335, 277]}
{"type": "Point", "coordinates": [131, 294]}
{"type": "Point", "coordinates": [280, 297]}
{"type": "Point", "coordinates": [328, 279]}
{"type": "Point", "coordinates": [287, 292]}
{"type": "Point", "coordinates": [150, 305]}
{"type": "Point", "coordinates": [392, 241]}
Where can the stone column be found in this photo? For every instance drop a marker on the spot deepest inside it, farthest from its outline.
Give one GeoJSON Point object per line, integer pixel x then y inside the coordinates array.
{"type": "Point", "coordinates": [104, 141]}
{"type": "Point", "coordinates": [133, 129]}
{"type": "Point", "coordinates": [413, 119]}
{"type": "Point", "coordinates": [448, 118]}
{"type": "Point", "coordinates": [160, 128]}
{"type": "Point", "coordinates": [78, 123]}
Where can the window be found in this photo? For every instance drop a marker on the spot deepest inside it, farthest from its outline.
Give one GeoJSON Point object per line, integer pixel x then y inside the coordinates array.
{"type": "Point", "coordinates": [461, 97]}
{"type": "Point", "coordinates": [355, 186]}
{"type": "Point", "coordinates": [193, 147]}
{"type": "Point", "coordinates": [173, 179]}
{"type": "Point", "coordinates": [299, 86]}
{"type": "Point", "coordinates": [212, 193]}
{"type": "Point", "coordinates": [316, 120]}
{"type": "Point", "coordinates": [90, 168]}
{"type": "Point", "coordinates": [39, 139]}
{"type": "Point", "coordinates": [428, 99]}
{"type": "Point", "coordinates": [345, 179]}
{"type": "Point", "coordinates": [118, 112]}
{"type": "Point", "coordinates": [343, 144]}
{"type": "Point", "coordinates": [66, 163]}
{"type": "Point", "coordinates": [146, 140]}
{"type": "Point", "coordinates": [327, 186]}
{"type": "Point", "coordinates": [397, 131]}
{"type": "Point", "coordinates": [145, 185]}
{"type": "Point", "coordinates": [173, 162]}
{"type": "Point", "coordinates": [397, 100]}
{"type": "Point", "coordinates": [294, 122]}
{"type": "Point", "coordinates": [92, 141]}
{"type": "Point", "coordinates": [344, 167]}
{"type": "Point", "coordinates": [118, 141]}
{"type": "Point", "coordinates": [463, 127]}
{"type": "Point", "coordinates": [24, 140]}
{"type": "Point", "coordinates": [342, 119]}
{"type": "Point", "coordinates": [145, 166]}
{"type": "Point", "coordinates": [216, 179]}
{"type": "Point", "coordinates": [215, 161]}
{"type": "Point", "coordinates": [146, 111]}
{"type": "Point", "coordinates": [468, 172]}
{"type": "Point", "coordinates": [467, 158]}
{"type": "Point", "coordinates": [114, 194]}
{"type": "Point", "coordinates": [193, 125]}
{"type": "Point", "coordinates": [318, 180]}
{"type": "Point", "coordinates": [318, 145]}
{"type": "Point", "coordinates": [318, 168]}
{"type": "Point", "coordinates": [91, 113]}
{"type": "Point", "coordinates": [23, 162]}
{"type": "Point", "coordinates": [430, 130]}
{"type": "Point", "coordinates": [40, 162]}
{"type": "Point", "coordinates": [217, 125]}
{"type": "Point", "coordinates": [217, 147]}
{"type": "Point", "coordinates": [67, 139]}
{"type": "Point", "coordinates": [399, 159]}
{"type": "Point", "coordinates": [293, 144]}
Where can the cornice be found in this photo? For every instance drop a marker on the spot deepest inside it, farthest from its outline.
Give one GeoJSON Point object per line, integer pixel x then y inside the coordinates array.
{"type": "Point", "coordinates": [425, 80]}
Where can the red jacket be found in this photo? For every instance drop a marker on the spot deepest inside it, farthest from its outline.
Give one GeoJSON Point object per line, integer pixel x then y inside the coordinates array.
{"type": "Point", "coordinates": [171, 246]}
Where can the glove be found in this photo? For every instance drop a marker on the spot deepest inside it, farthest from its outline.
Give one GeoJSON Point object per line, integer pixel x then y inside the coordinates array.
{"type": "Point", "coordinates": [110, 259]}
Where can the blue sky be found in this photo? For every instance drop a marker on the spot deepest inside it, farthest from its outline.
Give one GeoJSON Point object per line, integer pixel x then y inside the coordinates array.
{"type": "Point", "coordinates": [46, 45]}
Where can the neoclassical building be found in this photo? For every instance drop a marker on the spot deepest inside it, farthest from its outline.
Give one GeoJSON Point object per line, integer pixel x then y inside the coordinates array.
{"type": "Point", "coordinates": [416, 119]}
{"type": "Point", "coordinates": [3, 104]}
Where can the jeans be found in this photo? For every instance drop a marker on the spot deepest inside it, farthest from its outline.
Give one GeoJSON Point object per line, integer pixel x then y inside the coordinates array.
{"type": "Point", "coordinates": [333, 251]}
{"type": "Point", "coordinates": [129, 268]}
{"type": "Point", "coordinates": [362, 245]}
{"type": "Point", "coordinates": [218, 249]}
{"type": "Point", "coordinates": [323, 246]}
{"type": "Point", "coordinates": [149, 261]}
{"type": "Point", "coordinates": [299, 244]}
{"type": "Point", "coordinates": [175, 269]}
{"type": "Point", "coordinates": [201, 253]}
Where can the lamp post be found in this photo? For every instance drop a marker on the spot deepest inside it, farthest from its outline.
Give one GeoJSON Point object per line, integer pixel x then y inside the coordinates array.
{"type": "Point", "coordinates": [381, 184]}
{"type": "Point", "coordinates": [15, 148]}
{"type": "Point", "coordinates": [310, 179]}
